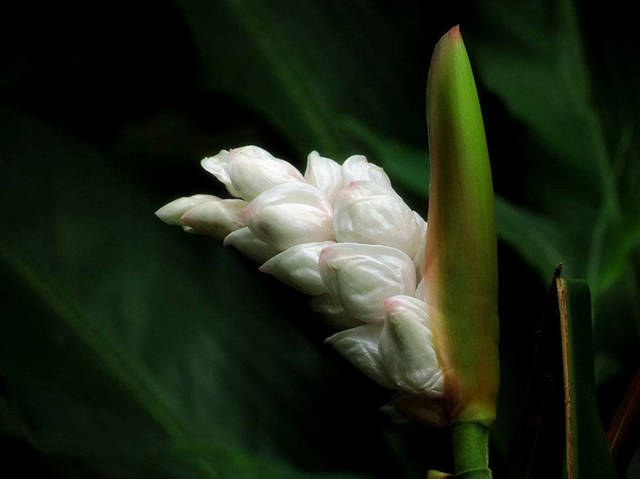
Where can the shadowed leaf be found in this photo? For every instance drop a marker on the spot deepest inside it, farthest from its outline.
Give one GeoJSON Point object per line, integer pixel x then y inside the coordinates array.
{"type": "Point", "coordinates": [623, 434]}
{"type": "Point", "coordinates": [126, 350]}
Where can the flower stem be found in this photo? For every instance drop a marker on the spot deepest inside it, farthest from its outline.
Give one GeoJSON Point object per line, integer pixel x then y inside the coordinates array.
{"type": "Point", "coordinates": [471, 451]}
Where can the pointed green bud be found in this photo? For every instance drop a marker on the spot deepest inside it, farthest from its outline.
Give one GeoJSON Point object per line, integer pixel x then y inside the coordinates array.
{"type": "Point", "coordinates": [461, 279]}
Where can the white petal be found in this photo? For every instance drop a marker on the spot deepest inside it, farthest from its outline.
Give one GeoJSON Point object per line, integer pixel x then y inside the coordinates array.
{"type": "Point", "coordinates": [419, 258]}
{"type": "Point", "coordinates": [215, 218]}
{"type": "Point", "coordinates": [300, 193]}
{"type": "Point", "coordinates": [253, 170]}
{"type": "Point", "coordinates": [366, 212]}
{"type": "Point", "coordinates": [420, 291]}
{"type": "Point", "coordinates": [360, 346]}
{"type": "Point", "coordinates": [357, 168]}
{"type": "Point", "coordinates": [298, 267]}
{"type": "Point", "coordinates": [284, 226]}
{"type": "Point", "coordinates": [217, 166]}
{"type": "Point", "coordinates": [360, 277]}
{"type": "Point", "coordinates": [406, 347]}
{"type": "Point", "coordinates": [290, 214]}
{"type": "Point", "coordinates": [249, 245]}
{"type": "Point", "coordinates": [325, 174]}
{"type": "Point", "coordinates": [407, 306]}
{"type": "Point", "coordinates": [334, 314]}
{"type": "Point", "coordinates": [171, 212]}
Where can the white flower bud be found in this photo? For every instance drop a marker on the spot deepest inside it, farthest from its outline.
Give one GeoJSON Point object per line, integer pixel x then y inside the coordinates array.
{"type": "Point", "coordinates": [419, 258]}
{"type": "Point", "coordinates": [249, 245]}
{"type": "Point", "coordinates": [360, 346]}
{"type": "Point", "coordinates": [215, 218]}
{"type": "Point", "coordinates": [360, 277]}
{"type": "Point", "coordinates": [290, 214]}
{"type": "Point", "coordinates": [250, 170]}
{"type": "Point", "coordinates": [366, 212]}
{"type": "Point", "coordinates": [406, 347]}
{"type": "Point", "coordinates": [357, 168]}
{"type": "Point", "coordinates": [334, 314]}
{"type": "Point", "coordinates": [325, 174]}
{"type": "Point", "coordinates": [173, 211]}
{"type": "Point", "coordinates": [298, 267]}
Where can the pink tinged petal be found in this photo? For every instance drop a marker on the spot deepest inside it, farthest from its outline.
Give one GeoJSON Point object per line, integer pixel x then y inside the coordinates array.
{"type": "Point", "coordinates": [173, 211]}
{"type": "Point", "coordinates": [298, 267]}
{"type": "Point", "coordinates": [215, 218]}
{"type": "Point", "coordinates": [366, 212]}
{"type": "Point", "coordinates": [360, 277]}
{"type": "Point", "coordinates": [406, 306]}
{"type": "Point", "coordinates": [253, 171]}
{"type": "Point", "coordinates": [333, 313]}
{"type": "Point", "coordinates": [360, 346]}
{"type": "Point", "coordinates": [290, 214]}
{"type": "Point", "coordinates": [325, 174]}
{"type": "Point", "coordinates": [357, 168]}
{"type": "Point", "coordinates": [406, 347]}
{"type": "Point", "coordinates": [249, 245]}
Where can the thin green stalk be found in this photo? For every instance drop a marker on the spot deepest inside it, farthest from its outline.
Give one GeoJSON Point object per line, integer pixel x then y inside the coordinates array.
{"type": "Point", "coordinates": [471, 451]}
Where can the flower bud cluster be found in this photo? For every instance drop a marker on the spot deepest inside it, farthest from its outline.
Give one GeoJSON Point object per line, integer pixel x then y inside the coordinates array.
{"type": "Point", "coordinates": [340, 234]}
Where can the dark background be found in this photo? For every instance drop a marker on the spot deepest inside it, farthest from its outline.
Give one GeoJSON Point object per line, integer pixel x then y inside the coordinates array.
{"type": "Point", "coordinates": [129, 349]}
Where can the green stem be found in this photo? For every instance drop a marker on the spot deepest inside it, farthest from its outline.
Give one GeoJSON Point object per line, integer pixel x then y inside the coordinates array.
{"type": "Point", "coordinates": [471, 451]}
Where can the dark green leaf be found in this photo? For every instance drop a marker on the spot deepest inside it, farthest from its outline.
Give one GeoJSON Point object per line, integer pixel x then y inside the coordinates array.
{"type": "Point", "coordinates": [133, 348]}
{"type": "Point", "coordinates": [561, 397]}
{"type": "Point", "coordinates": [533, 56]}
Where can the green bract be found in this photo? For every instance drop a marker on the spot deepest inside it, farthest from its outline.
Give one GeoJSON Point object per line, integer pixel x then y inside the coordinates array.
{"type": "Point", "coordinates": [461, 260]}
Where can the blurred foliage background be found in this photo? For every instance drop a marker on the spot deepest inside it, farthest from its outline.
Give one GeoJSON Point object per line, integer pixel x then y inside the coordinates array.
{"type": "Point", "coordinates": [129, 349]}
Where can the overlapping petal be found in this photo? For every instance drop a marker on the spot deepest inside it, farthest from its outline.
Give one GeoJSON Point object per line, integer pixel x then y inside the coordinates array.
{"type": "Point", "coordinates": [249, 171]}
{"type": "Point", "coordinates": [290, 214]}
{"type": "Point", "coordinates": [367, 212]}
{"type": "Point", "coordinates": [250, 245]}
{"type": "Point", "coordinates": [406, 347]}
{"type": "Point", "coordinates": [173, 211]}
{"type": "Point", "coordinates": [357, 168]}
{"type": "Point", "coordinates": [325, 174]}
{"type": "Point", "coordinates": [360, 346]}
{"type": "Point", "coordinates": [360, 277]}
{"type": "Point", "coordinates": [216, 218]}
{"type": "Point", "coordinates": [298, 267]}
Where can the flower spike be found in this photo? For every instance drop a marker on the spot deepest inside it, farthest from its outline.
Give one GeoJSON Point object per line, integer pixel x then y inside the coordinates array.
{"type": "Point", "coordinates": [340, 234]}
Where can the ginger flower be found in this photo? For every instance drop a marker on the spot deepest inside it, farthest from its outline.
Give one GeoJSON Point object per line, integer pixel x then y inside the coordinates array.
{"type": "Point", "coordinates": [340, 234]}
